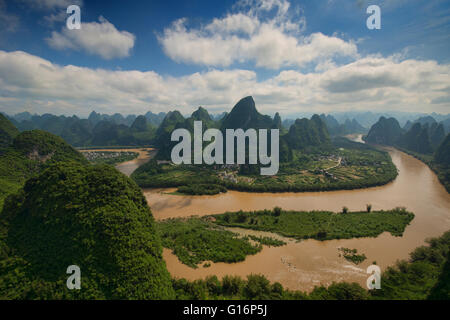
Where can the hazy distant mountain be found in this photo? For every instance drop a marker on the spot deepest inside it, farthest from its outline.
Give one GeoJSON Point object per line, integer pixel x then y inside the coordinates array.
{"type": "Point", "coordinates": [287, 123]}
{"type": "Point", "coordinates": [385, 132]}
{"type": "Point", "coordinates": [422, 120]}
{"type": "Point", "coordinates": [79, 133]}
{"type": "Point", "coordinates": [140, 124]}
{"type": "Point", "coordinates": [95, 118]}
{"type": "Point", "coordinates": [155, 119]}
{"type": "Point", "coordinates": [348, 127]}
{"type": "Point", "coordinates": [331, 122]}
{"type": "Point", "coordinates": [22, 116]}
{"type": "Point", "coordinates": [220, 116]}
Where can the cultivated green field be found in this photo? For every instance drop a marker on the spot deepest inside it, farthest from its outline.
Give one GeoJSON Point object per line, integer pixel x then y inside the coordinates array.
{"type": "Point", "coordinates": [347, 166]}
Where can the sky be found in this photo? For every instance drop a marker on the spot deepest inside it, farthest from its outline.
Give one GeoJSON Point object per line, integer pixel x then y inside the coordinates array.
{"type": "Point", "coordinates": [297, 56]}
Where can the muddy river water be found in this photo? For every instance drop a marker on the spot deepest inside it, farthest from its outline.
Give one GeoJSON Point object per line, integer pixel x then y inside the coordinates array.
{"type": "Point", "coordinates": [303, 265]}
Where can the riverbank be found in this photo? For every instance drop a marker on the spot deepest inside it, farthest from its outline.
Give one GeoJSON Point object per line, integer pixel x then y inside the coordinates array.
{"type": "Point", "coordinates": [441, 172]}
{"type": "Point", "coordinates": [303, 265]}
{"type": "Point", "coordinates": [348, 166]}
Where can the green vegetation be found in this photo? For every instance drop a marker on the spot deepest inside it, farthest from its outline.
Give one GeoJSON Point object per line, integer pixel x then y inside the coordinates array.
{"type": "Point", "coordinates": [268, 241]}
{"type": "Point", "coordinates": [425, 276]}
{"type": "Point", "coordinates": [347, 165]}
{"type": "Point", "coordinates": [254, 287]}
{"type": "Point", "coordinates": [421, 139]}
{"type": "Point", "coordinates": [439, 163]}
{"type": "Point", "coordinates": [97, 130]}
{"type": "Point", "coordinates": [90, 216]}
{"type": "Point", "coordinates": [202, 189]}
{"type": "Point", "coordinates": [109, 157]}
{"type": "Point", "coordinates": [7, 133]}
{"type": "Point", "coordinates": [195, 240]}
{"type": "Point", "coordinates": [352, 255]}
{"type": "Point", "coordinates": [320, 225]}
{"type": "Point", "coordinates": [29, 153]}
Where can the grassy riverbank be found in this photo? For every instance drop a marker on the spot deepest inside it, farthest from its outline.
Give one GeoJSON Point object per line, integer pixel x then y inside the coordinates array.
{"type": "Point", "coordinates": [425, 276]}
{"type": "Point", "coordinates": [320, 225]}
{"type": "Point", "coordinates": [196, 240]}
{"type": "Point", "coordinates": [348, 165]}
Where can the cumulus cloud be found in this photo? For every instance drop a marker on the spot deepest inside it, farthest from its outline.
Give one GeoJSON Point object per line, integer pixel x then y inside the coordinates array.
{"type": "Point", "coordinates": [266, 33]}
{"type": "Point", "coordinates": [28, 82]}
{"type": "Point", "coordinates": [96, 38]}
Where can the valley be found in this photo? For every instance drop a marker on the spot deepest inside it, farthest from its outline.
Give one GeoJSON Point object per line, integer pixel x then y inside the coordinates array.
{"type": "Point", "coordinates": [308, 263]}
{"type": "Point", "coordinates": [303, 245]}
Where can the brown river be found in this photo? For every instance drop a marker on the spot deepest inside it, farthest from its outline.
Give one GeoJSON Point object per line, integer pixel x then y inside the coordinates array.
{"type": "Point", "coordinates": [303, 265]}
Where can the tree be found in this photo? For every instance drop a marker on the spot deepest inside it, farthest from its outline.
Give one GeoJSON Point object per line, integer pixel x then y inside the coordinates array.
{"type": "Point", "coordinates": [277, 211]}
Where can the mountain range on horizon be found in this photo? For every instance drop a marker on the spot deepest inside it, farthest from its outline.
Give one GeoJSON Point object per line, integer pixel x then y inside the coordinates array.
{"type": "Point", "coordinates": [151, 128]}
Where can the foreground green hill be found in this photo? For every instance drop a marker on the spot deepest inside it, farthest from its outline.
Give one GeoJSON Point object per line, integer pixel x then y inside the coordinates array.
{"type": "Point", "coordinates": [28, 154]}
{"type": "Point", "coordinates": [90, 216]}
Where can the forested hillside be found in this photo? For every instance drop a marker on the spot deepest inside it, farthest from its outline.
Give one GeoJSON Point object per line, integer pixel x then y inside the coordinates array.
{"type": "Point", "coordinates": [425, 139]}
{"type": "Point", "coordinates": [27, 154]}
{"type": "Point", "coordinates": [7, 133]}
{"type": "Point", "coordinates": [90, 216]}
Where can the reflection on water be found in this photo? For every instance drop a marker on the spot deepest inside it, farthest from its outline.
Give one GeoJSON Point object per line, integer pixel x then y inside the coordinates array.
{"type": "Point", "coordinates": [302, 265]}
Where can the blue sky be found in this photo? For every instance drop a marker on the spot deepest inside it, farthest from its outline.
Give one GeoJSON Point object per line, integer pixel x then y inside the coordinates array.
{"type": "Point", "coordinates": [292, 56]}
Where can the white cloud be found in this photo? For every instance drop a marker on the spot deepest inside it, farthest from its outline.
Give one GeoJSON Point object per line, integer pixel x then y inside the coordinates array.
{"type": "Point", "coordinates": [97, 38]}
{"type": "Point", "coordinates": [264, 33]}
{"type": "Point", "coordinates": [28, 82]}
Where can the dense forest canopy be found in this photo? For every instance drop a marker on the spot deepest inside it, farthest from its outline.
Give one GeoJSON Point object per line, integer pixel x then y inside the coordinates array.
{"type": "Point", "coordinates": [90, 216]}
